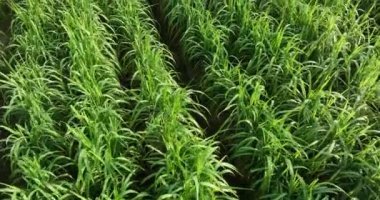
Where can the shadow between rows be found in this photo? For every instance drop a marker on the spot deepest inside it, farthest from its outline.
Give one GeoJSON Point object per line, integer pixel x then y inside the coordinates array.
{"type": "Point", "coordinates": [5, 26]}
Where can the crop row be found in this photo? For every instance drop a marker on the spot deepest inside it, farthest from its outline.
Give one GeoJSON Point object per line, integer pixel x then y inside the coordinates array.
{"type": "Point", "coordinates": [76, 132]}
{"type": "Point", "coordinates": [283, 102]}
{"type": "Point", "coordinates": [300, 93]}
{"type": "Point", "coordinates": [182, 164]}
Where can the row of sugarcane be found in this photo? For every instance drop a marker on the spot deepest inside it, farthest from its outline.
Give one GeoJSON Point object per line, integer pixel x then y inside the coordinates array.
{"type": "Point", "coordinates": [76, 133]}
{"type": "Point", "coordinates": [294, 84]}
{"type": "Point", "coordinates": [300, 83]}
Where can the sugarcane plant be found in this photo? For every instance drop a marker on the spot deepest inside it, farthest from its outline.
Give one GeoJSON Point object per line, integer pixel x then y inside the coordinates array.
{"type": "Point", "coordinates": [185, 164]}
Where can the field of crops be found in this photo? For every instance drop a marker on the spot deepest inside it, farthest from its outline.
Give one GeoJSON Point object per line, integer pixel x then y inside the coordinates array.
{"type": "Point", "coordinates": [189, 99]}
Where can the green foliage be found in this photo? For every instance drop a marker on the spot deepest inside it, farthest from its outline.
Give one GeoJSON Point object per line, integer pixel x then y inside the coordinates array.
{"type": "Point", "coordinates": [309, 63]}
{"type": "Point", "coordinates": [290, 91]}
{"type": "Point", "coordinates": [184, 165]}
{"type": "Point", "coordinates": [33, 90]}
{"type": "Point", "coordinates": [295, 119]}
